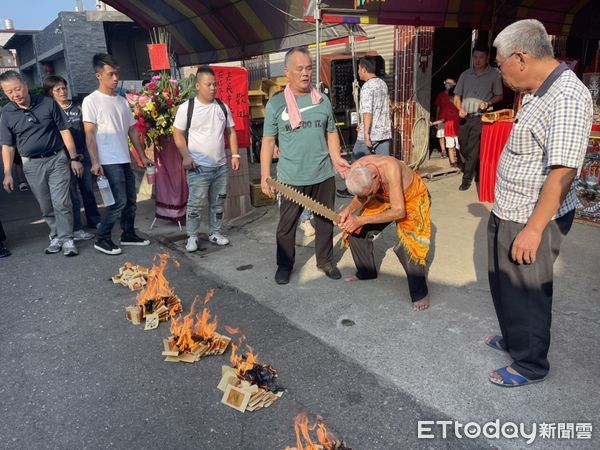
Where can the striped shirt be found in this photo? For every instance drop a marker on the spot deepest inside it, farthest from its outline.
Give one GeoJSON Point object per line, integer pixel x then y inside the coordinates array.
{"type": "Point", "coordinates": [551, 129]}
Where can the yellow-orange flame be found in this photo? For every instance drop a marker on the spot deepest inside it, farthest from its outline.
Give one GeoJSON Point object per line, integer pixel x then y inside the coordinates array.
{"type": "Point", "coordinates": [192, 328]}
{"type": "Point", "coordinates": [242, 362]}
{"type": "Point", "coordinates": [231, 330]}
{"type": "Point", "coordinates": [157, 286]}
{"type": "Point", "coordinates": [303, 439]}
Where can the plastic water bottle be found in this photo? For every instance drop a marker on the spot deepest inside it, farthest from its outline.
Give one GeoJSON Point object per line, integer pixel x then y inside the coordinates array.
{"type": "Point", "coordinates": [105, 191]}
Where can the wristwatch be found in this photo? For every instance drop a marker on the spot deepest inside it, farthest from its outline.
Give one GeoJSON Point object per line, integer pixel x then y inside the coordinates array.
{"type": "Point", "coordinates": [77, 158]}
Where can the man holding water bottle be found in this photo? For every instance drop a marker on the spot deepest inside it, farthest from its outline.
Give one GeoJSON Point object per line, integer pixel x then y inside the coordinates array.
{"type": "Point", "coordinates": [108, 123]}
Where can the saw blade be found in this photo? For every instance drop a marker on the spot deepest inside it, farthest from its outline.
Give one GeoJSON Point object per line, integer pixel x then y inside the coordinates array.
{"type": "Point", "coordinates": [304, 200]}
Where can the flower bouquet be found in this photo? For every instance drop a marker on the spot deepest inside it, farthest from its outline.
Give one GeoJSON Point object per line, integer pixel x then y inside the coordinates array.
{"type": "Point", "coordinates": [154, 107]}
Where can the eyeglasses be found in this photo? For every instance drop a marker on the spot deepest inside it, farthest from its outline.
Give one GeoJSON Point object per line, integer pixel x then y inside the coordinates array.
{"type": "Point", "coordinates": [31, 117]}
{"type": "Point", "coordinates": [507, 58]}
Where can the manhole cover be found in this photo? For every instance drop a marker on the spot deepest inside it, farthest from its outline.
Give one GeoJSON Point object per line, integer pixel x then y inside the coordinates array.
{"type": "Point", "coordinates": [246, 267]}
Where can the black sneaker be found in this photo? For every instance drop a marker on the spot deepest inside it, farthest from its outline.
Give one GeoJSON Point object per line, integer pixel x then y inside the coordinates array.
{"type": "Point", "coordinates": [133, 239]}
{"type": "Point", "coordinates": [282, 276]}
{"type": "Point", "coordinates": [4, 252]}
{"type": "Point", "coordinates": [343, 193]}
{"type": "Point", "coordinates": [107, 246]}
{"type": "Point", "coordinates": [465, 185]}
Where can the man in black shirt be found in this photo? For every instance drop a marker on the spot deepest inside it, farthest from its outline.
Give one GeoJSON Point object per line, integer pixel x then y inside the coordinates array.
{"type": "Point", "coordinates": [56, 88]}
{"type": "Point", "coordinates": [37, 127]}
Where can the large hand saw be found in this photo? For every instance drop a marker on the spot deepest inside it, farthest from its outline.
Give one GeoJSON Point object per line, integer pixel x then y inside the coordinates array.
{"type": "Point", "coordinates": [304, 200]}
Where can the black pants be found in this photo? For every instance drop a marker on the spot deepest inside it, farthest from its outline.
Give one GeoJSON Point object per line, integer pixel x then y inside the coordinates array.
{"type": "Point", "coordinates": [2, 235]}
{"type": "Point", "coordinates": [361, 246]}
{"type": "Point", "coordinates": [522, 293]}
{"type": "Point", "coordinates": [469, 138]}
{"type": "Point", "coordinates": [289, 212]}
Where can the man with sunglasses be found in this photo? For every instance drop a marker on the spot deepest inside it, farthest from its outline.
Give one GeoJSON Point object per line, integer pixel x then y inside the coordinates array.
{"type": "Point", "coordinates": [37, 127]}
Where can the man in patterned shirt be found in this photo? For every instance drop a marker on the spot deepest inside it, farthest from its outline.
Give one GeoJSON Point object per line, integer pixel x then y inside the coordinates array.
{"type": "Point", "coordinates": [535, 201]}
{"type": "Point", "coordinates": [374, 130]}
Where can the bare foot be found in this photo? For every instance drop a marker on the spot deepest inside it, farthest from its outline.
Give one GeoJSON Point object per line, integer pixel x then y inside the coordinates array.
{"type": "Point", "coordinates": [421, 304]}
{"type": "Point", "coordinates": [352, 278]}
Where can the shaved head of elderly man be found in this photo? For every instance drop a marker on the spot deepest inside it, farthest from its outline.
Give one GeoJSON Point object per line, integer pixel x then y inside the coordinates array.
{"type": "Point", "coordinates": [534, 199]}
{"type": "Point", "coordinates": [387, 191]}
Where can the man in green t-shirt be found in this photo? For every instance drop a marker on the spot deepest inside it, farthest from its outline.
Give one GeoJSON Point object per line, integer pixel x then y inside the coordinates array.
{"type": "Point", "coordinates": [309, 151]}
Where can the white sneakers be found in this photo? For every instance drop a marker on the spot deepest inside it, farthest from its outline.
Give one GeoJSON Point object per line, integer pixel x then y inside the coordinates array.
{"type": "Point", "coordinates": [218, 238]}
{"type": "Point", "coordinates": [307, 227]}
{"type": "Point", "coordinates": [192, 244]}
{"type": "Point", "coordinates": [69, 248]}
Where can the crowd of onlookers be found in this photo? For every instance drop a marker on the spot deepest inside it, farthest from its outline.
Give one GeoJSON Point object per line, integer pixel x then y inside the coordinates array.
{"type": "Point", "coordinates": [61, 145]}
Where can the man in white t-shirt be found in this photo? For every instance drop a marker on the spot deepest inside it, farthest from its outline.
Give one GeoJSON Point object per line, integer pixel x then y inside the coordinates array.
{"type": "Point", "coordinates": [108, 124]}
{"type": "Point", "coordinates": [201, 142]}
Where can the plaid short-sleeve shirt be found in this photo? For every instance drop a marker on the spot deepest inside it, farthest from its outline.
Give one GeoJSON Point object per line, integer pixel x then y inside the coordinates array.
{"type": "Point", "coordinates": [551, 129]}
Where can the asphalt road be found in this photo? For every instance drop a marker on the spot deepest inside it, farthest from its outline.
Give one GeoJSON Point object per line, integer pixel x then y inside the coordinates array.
{"type": "Point", "coordinates": [75, 374]}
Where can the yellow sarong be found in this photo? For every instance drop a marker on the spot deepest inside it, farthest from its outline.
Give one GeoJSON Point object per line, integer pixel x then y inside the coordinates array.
{"type": "Point", "coordinates": [414, 230]}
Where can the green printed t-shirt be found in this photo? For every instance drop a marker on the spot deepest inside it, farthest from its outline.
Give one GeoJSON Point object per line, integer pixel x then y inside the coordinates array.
{"type": "Point", "coordinates": [303, 153]}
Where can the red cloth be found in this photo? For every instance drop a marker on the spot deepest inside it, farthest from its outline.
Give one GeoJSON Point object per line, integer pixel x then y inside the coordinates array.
{"type": "Point", "coordinates": [171, 182]}
{"type": "Point", "coordinates": [449, 114]}
{"type": "Point", "coordinates": [493, 139]}
{"type": "Point", "coordinates": [159, 57]}
{"type": "Point", "coordinates": [440, 102]}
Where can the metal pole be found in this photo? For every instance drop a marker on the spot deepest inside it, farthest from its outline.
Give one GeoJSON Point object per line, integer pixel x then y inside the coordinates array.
{"type": "Point", "coordinates": [355, 95]}
{"type": "Point", "coordinates": [402, 118]}
{"type": "Point", "coordinates": [396, 89]}
{"type": "Point", "coordinates": [318, 47]}
{"type": "Point", "coordinates": [415, 63]}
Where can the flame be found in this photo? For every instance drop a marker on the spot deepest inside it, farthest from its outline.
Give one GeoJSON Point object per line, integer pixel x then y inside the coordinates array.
{"type": "Point", "coordinates": [242, 363]}
{"type": "Point", "coordinates": [303, 440]}
{"type": "Point", "coordinates": [231, 330]}
{"type": "Point", "coordinates": [157, 286]}
{"type": "Point", "coordinates": [190, 329]}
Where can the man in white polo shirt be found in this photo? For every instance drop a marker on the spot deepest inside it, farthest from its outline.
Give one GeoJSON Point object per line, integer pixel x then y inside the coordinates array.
{"type": "Point", "coordinates": [199, 133]}
{"type": "Point", "coordinates": [108, 124]}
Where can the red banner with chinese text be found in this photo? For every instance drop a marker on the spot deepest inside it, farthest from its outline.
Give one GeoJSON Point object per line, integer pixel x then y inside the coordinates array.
{"type": "Point", "coordinates": [232, 89]}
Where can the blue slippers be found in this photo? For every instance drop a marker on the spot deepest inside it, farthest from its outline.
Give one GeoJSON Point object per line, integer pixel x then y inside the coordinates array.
{"type": "Point", "coordinates": [495, 342]}
{"type": "Point", "coordinates": [511, 380]}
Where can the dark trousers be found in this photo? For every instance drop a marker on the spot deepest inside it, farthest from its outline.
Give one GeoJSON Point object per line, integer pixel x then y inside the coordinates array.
{"type": "Point", "coordinates": [361, 246]}
{"type": "Point", "coordinates": [122, 184]}
{"type": "Point", "coordinates": [469, 138]}
{"type": "Point", "coordinates": [2, 234]}
{"type": "Point", "coordinates": [522, 293]}
{"type": "Point", "coordinates": [84, 185]}
{"type": "Point", "coordinates": [289, 212]}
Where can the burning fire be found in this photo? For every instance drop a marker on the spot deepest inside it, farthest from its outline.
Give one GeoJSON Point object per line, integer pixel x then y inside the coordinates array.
{"type": "Point", "coordinates": [325, 440]}
{"type": "Point", "coordinates": [193, 328]}
{"type": "Point", "coordinates": [249, 369]}
{"type": "Point", "coordinates": [242, 363]}
{"type": "Point", "coordinates": [158, 287]}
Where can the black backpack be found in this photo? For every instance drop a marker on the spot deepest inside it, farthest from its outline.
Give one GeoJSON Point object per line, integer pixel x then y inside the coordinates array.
{"type": "Point", "coordinates": [190, 113]}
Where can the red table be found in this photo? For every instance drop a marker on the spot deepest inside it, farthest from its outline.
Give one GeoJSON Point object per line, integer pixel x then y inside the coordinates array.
{"type": "Point", "coordinates": [493, 139]}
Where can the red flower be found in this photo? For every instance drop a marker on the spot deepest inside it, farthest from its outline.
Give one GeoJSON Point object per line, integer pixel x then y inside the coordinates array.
{"type": "Point", "coordinates": [151, 86]}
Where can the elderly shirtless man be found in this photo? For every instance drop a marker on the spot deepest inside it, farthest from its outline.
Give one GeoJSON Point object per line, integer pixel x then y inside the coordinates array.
{"type": "Point", "coordinates": [385, 191]}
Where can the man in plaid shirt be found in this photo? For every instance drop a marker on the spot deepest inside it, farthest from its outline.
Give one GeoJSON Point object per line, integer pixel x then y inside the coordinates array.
{"type": "Point", "coordinates": [535, 202]}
